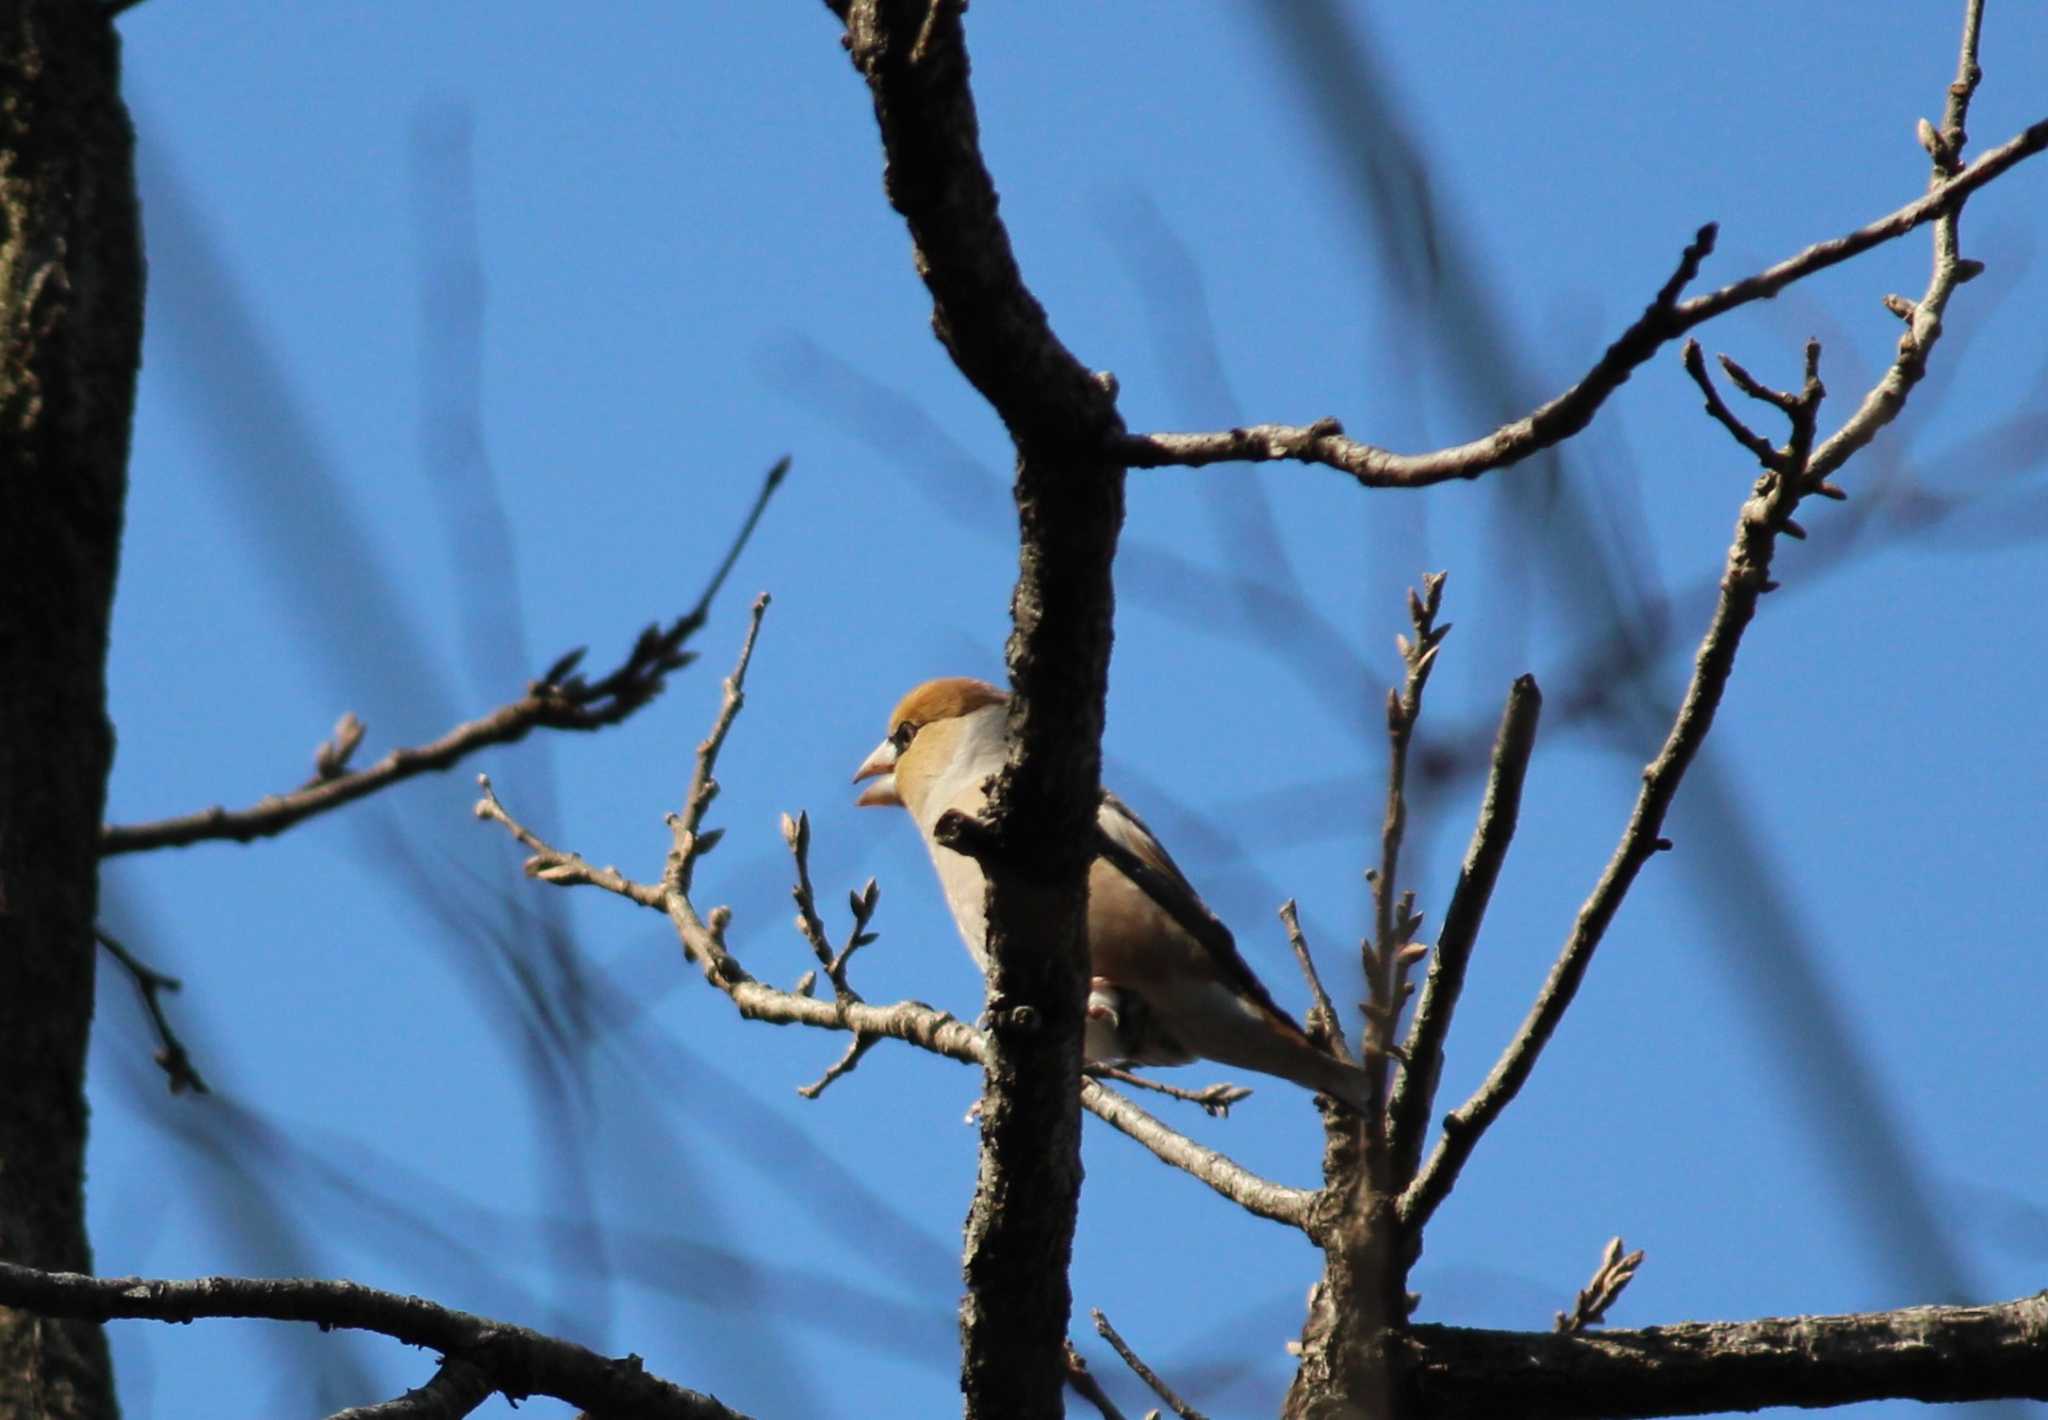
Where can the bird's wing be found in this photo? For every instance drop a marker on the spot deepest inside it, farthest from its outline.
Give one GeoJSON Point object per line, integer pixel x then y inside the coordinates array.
{"type": "Point", "coordinates": [1131, 849]}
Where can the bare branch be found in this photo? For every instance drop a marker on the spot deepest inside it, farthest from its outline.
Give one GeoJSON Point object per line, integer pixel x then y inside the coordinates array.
{"type": "Point", "coordinates": [691, 841]}
{"type": "Point", "coordinates": [1951, 269]}
{"type": "Point", "coordinates": [796, 832]}
{"type": "Point", "coordinates": [1499, 809]}
{"type": "Point", "coordinates": [1387, 959]}
{"type": "Point", "coordinates": [1070, 504]}
{"type": "Point", "coordinates": [151, 984]}
{"type": "Point", "coordinates": [1087, 1387]}
{"type": "Point", "coordinates": [1213, 1100]}
{"type": "Point", "coordinates": [1258, 1196]}
{"type": "Point", "coordinates": [1143, 1372]}
{"type": "Point", "coordinates": [1696, 366]}
{"type": "Point", "coordinates": [844, 1065]}
{"type": "Point", "coordinates": [1795, 471]}
{"type": "Point", "coordinates": [457, 1389]}
{"type": "Point", "coordinates": [559, 700]}
{"type": "Point", "coordinates": [1665, 319]}
{"type": "Point", "coordinates": [1744, 581]}
{"type": "Point", "coordinates": [703, 942]}
{"type": "Point", "coordinates": [1935, 1354]}
{"type": "Point", "coordinates": [1324, 1025]}
{"type": "Point", "coordinates": [518, 1361]}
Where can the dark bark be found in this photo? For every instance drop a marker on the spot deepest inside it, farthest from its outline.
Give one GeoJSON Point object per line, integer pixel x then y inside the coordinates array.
{"type": "Point", "coordinates": [1934, 1354]}
{"type": "Point", "coordinates": [1037, 842]}
{"type": "Point", "coordinates": [70, 342]}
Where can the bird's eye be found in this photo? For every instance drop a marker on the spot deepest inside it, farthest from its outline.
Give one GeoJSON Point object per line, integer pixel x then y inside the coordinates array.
{"type": "Point", "coordinates": [902, 735]}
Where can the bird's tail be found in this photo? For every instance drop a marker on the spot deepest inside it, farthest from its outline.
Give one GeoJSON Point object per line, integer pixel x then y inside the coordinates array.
{"type": "Point", "coordinates": [1339, 1079]}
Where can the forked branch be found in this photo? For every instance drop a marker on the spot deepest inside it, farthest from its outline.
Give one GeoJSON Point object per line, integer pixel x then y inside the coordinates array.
{"type": "Point", "coordinates": [702, 936]}
{"type": "Point", "coordinates": [560, 699]}
{"type": "Point", "coordinates": [1663, 320]}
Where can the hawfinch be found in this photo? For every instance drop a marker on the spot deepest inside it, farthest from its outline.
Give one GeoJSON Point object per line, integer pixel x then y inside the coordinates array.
{"type": "Point", "coordinates": [1167, 983]}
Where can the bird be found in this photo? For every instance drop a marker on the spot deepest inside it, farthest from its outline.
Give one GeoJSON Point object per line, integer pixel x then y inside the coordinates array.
{"type": "Point", "coordinates": [1167, 985]}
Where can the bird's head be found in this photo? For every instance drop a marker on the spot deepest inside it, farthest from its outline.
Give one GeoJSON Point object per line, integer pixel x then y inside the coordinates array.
{"type": "Point", "coordinates": [929, 731]}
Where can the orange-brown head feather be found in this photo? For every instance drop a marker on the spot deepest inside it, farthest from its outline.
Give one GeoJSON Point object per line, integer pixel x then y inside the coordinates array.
{"type": "Point", "coordinates": [925, 731]}
{"type": "Point", "coordinates": [947, 698]}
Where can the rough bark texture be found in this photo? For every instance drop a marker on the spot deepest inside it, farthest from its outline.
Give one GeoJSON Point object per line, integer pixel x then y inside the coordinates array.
{"type": "Point", "coordinates": [1934, 1354]}
{"type": "Point", "coordinates": [70, 340]}
{"type": "Point", "coordinates": [1037, 842]}
{"type": "Point", "coordinates": [1348, 1365]}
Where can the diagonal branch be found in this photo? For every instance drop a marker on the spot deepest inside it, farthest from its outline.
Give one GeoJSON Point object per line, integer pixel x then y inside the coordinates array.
{"type": "Point", "coordinates": [703, 941]}
{"type": "Point", "coordinates": [150, 984]}
{"type": "Point", "coordinates": [1087, 1387]}
{"type": "Point", "coordinates": [912, 1022]}
{"type": "Point", "coordinates": [1665, 319]}
{"type": "Point", "coordinates": [1415, 1092]}
{"type": "Point", "coordinates": [559, 700]}
{"type": "Point", "coordinates": [1792, 472]}
{"type": "Point", "coordinates": [1744, 581]}
{"type": "Point", "coordinates": [1143, 1372]}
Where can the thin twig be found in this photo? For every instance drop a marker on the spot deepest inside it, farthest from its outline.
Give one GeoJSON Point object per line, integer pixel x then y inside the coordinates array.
{"type": "Point", "coordinates": [1665, 319]}
{"type": "Point", "coordinates": [1143, 1372]}
{"type": "Point", "coordinates": [847, 1062]}
{"type": "Point", "coordinates": [703, 942]}
{"type": "Point", "coordinates": [1888, 396]}
{"type": "Point", "coordinates": [796, 832]}
{"type": "Point", "coordinates": [1744, 581]}
{"type": "Point", "coordinates": [1696, 366]}
{"type": "Point", "coordinates": [1325, 1027]}
{"type": "Point", "coordinates": [1214, 1100]}
{"type": "Point", "coordinates": [691, 842]}
{"type": "Point", "coordinates": [1387, 958]}
{"type": "Point", "coordinates": [1797, 470]}
{"type": "Point", "coordinates": [1499, 810]}
{"type": "Point", "coordinates": [150, 984]}
{"type": "Point", "coordinates": [1087, 1387]}
{"type": "Point", "coordinates": [559, 700]}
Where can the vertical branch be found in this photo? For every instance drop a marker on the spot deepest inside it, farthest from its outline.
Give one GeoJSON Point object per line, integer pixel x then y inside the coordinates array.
{"type": "Point", "coordinates": [1387, 957]}
{"type": "Point", "coordinates": [1347, 1361]}
{"type": "Point", "coordinates": [1415, 1094]}
{"type": "Point", "coordinates": [1037, 842]}
{"type": "Point", "coordinates": [70, 341]}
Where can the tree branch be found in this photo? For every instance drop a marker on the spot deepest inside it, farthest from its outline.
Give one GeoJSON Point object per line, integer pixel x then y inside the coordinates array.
{"type": "Point", "coordinates": [1744, 581]}
{"type": "Point", "coordinates": [1142, 1371]}
{"type": "Point", "coordinates": [518, 1361]}
{"type": "Point", "coordinates": [1069, 495]}
{"type": "Point", "coordinates": [1391, 953]}
{"type": "Point", "coordinates": [1087, 1387]}
{"type": "Point", "coordinates": [1935, 1354]}
{"type": "Point", "coordinates": [150, 984]}
{"type": "Point", "coordinates": [703, 941]}
{"type": "Point", "coordinates": [559, 700]}
{"type": "Point", "coordinates": [1549, 424]}
{"type": "Point", "coordinates": [1792, 472]}
{"type": "Point", "coordinates": [457, 1389]}
{"type": "Point", "coordinates": [1415, 1092]}
{"type": "Point", "coordinates": [912, 1022]}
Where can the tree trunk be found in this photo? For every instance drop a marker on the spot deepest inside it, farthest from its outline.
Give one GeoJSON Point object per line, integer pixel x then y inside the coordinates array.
{"type": "Point", "coordinates": [70, 342]}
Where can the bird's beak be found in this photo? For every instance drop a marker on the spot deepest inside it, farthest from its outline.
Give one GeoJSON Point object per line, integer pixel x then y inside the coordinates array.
{"type": "Point", "coordinates": [879, 766]}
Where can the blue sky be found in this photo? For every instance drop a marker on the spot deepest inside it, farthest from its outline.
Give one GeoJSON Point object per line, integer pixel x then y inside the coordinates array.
{"type": "Point", "coordinates": [1804, 1071]}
